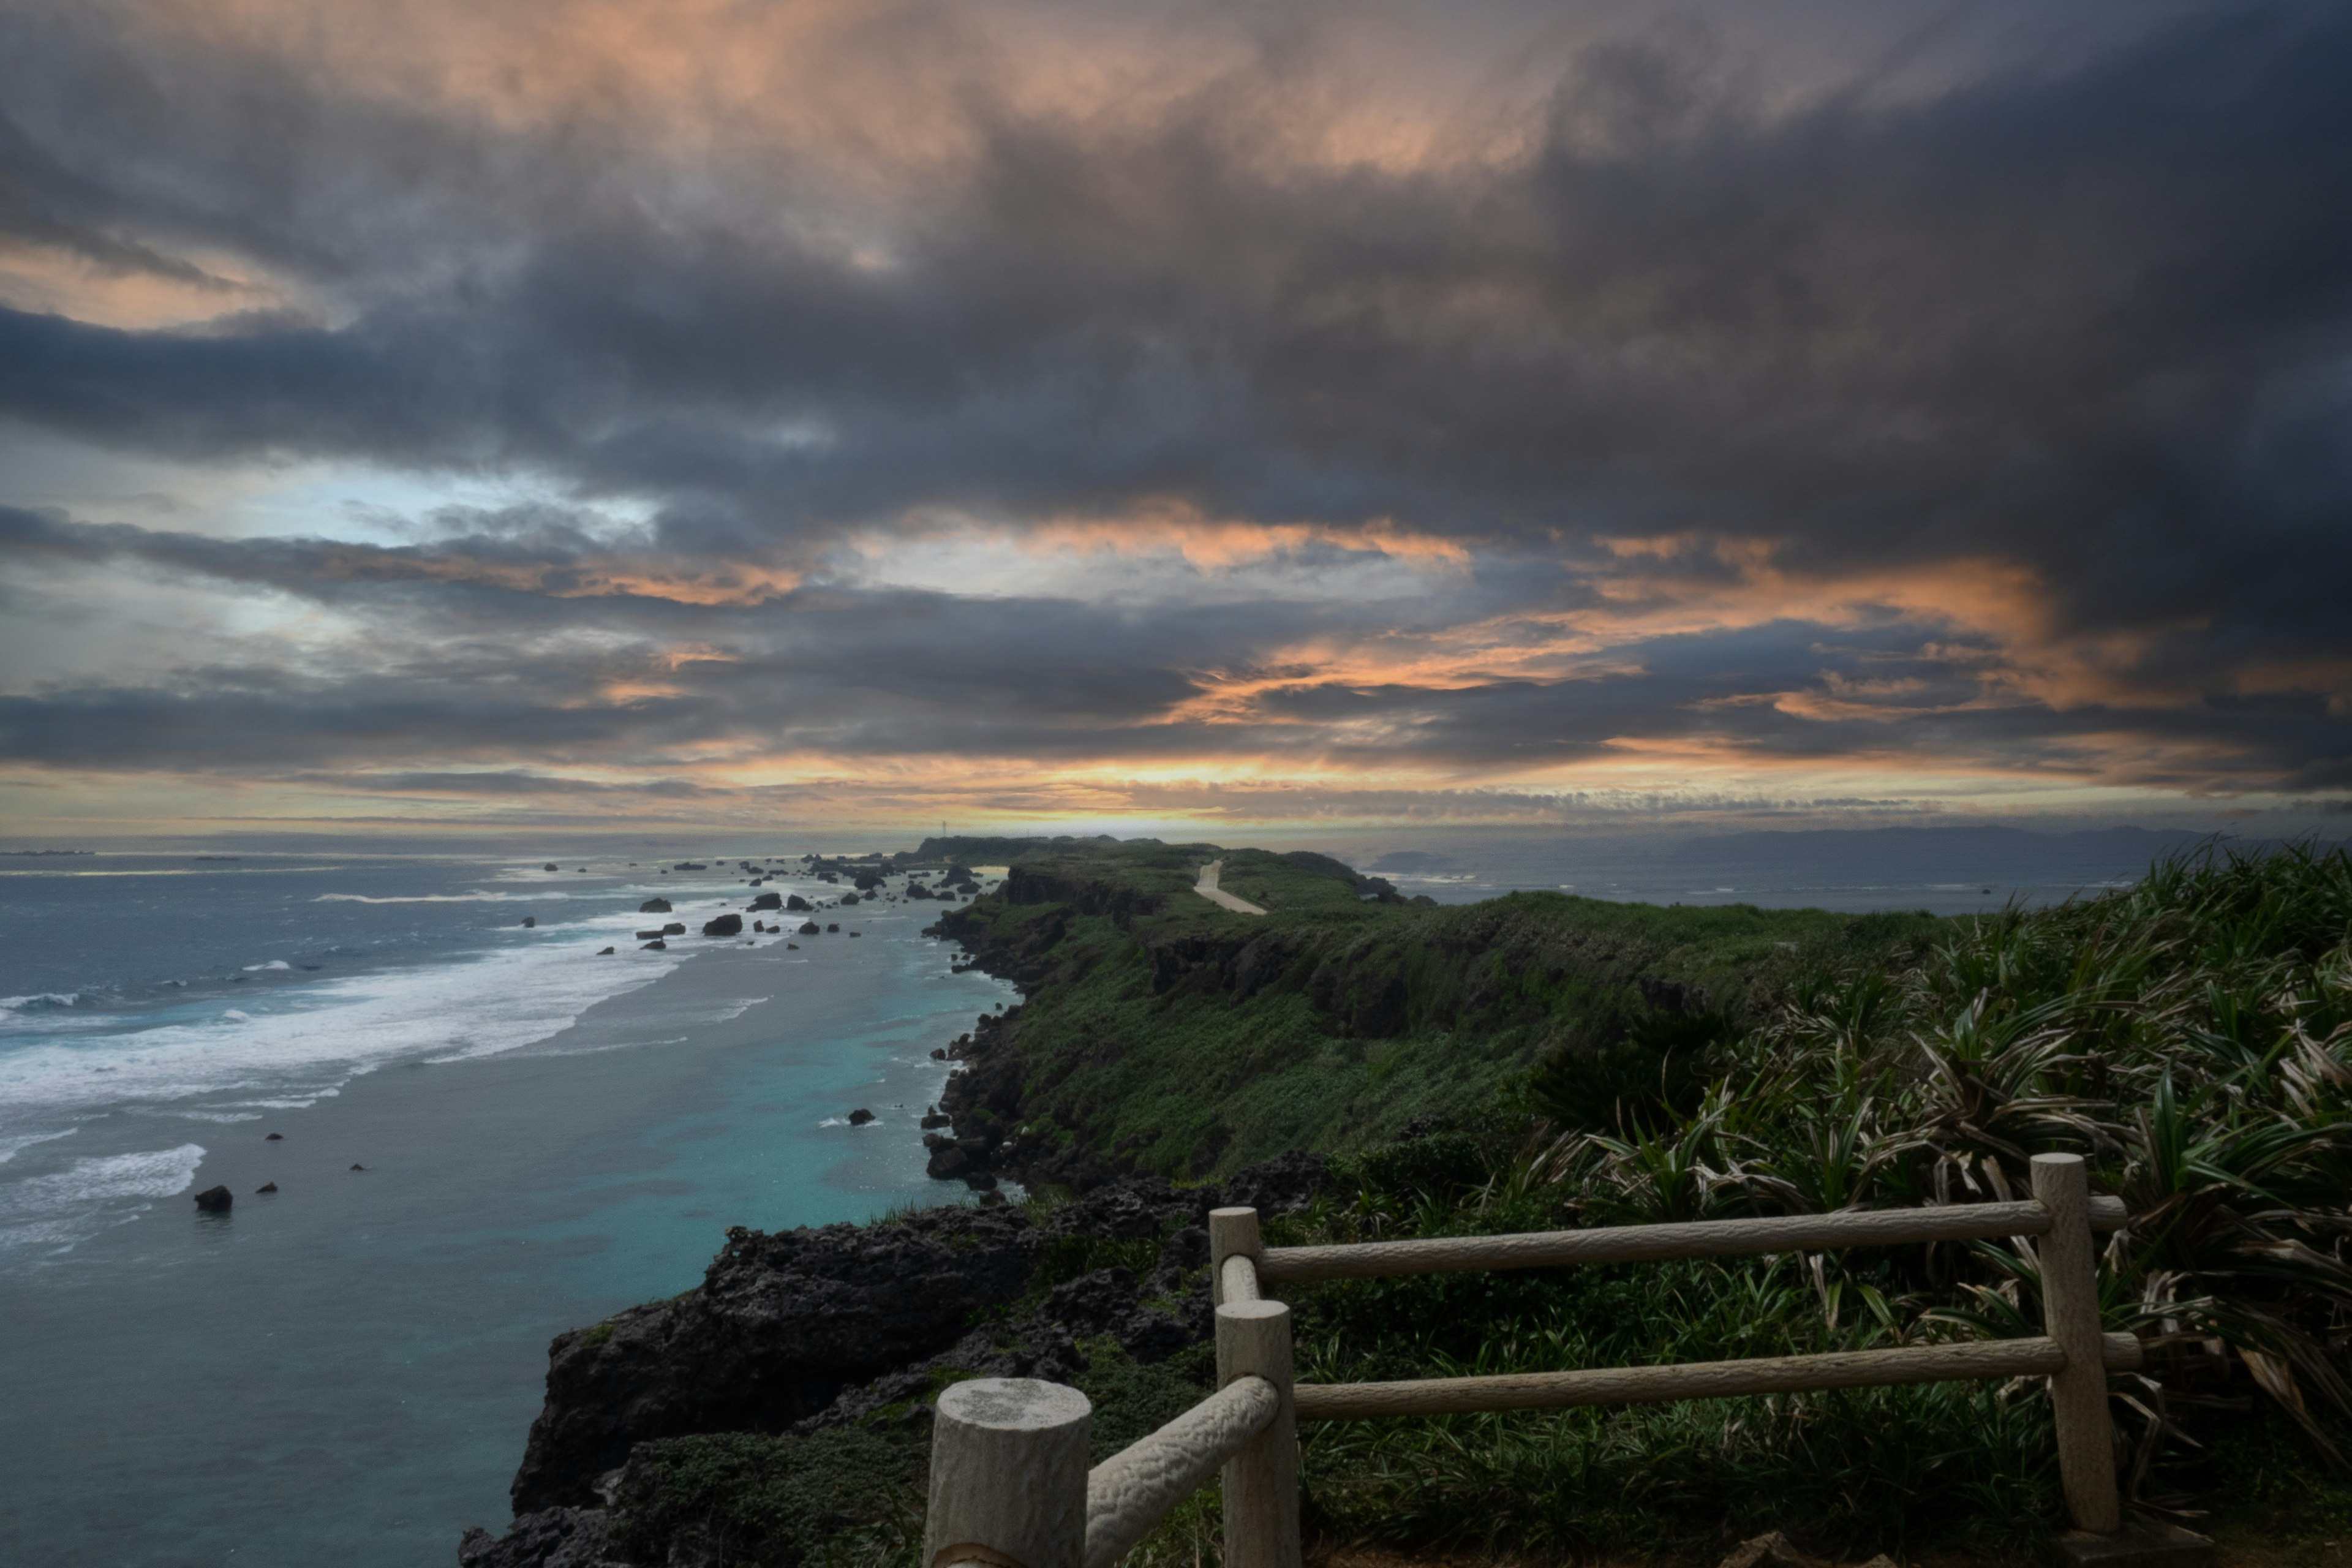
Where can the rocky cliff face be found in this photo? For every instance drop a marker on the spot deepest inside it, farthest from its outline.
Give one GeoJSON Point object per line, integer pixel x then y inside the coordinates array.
{"type": "Point", "coordinates": [803, 1330]}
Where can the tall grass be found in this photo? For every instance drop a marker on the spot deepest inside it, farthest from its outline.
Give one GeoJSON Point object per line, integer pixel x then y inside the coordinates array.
{"type": "Point", "coordinates": [2192, 1035]}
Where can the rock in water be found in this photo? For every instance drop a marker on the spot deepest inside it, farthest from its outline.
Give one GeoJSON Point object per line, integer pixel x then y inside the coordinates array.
{"type": "Point", "coordinates": [654, 907]}
{"type": "Point", "coordinates": [933, 1119]}
{"type": "Point", "coordinates": [273, 1137]}
{"type": "Point", "coordinates": [215, 1200]}
{"type": "Point", "coordinates": [833, 926]}
{"type": "Point", "coordinates": [860, 1117]}
{"type": "Point", "coordinates": [723, 925]}
{"type": "Point", "coordinates": [357, 1167]}
{"type": "Point", "coordinates": [656, 944]}
{"type": "Point", "coordinates": [265, 1188]}
{"type": "Point", "coordinates": [550, 866]}
{"type": "Point", "coordinates": [808, 928]}
{"type": "Point", "coordinates": [604, 953]}
{"type": "Point", "coordinates": [531, 919]}
{"type": "Point", "coordinates": [797, 904]}
{"type": "Point", "coordinates": [769, 901]}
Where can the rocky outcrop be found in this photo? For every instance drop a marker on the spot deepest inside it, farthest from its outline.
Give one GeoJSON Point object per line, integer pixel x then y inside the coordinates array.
{"type": "Point", "coordinates": [801, 1331]}
{"type": "Point", "coordinates": [781, 1325]}
{"type": "Point", "coordinates": [215, 1200]}
{"type": "Point", "coordinates": [723, 925]}
{"type": "Point", "coordinates": [654, 907]}
{"type": "Point", "coordinates": [768, 901]}
{"type": "Point", "coordinates": [797, 904]}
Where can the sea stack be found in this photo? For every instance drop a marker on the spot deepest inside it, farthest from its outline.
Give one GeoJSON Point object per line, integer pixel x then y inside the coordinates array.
{"type": "Point", "coordinates": [215, 1200]}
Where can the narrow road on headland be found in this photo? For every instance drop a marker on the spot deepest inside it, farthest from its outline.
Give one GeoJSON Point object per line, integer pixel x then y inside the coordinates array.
{"type": "Point", "coordinates": [1207, 887]}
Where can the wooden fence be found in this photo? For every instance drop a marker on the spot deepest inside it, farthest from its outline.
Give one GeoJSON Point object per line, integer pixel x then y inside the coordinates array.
{"type": "Point", "coordinates": [1010, 1487]}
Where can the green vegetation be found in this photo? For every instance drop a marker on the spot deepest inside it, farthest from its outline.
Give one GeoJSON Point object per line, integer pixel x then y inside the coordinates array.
{"type": "Point", "coordinates": [1592, 1063]}
{"type": "Point", "coordinates": [1188, 1040]}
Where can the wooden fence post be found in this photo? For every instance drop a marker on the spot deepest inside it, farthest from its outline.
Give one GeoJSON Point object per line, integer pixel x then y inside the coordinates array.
{"type": "Point", "coordinates": [1262, 1481]}
{"type": "Point", "coordinates": [2070, 1307]}
{"type": "Point", "coordinates": [1008, 1475]}
{"type": "Point", "coordinates": [1231, 1232]}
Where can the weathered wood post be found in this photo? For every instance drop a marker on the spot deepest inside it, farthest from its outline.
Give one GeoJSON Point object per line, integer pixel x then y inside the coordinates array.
{"type": "Point", "coordinates": [1008, 1475]}
{"type": "Point", "coordinates": [1262, 1481]}
{"type": "Point", "coordinates": [1233, 1233]}
{"type": "Point", "coordinates": [2070, 1307]}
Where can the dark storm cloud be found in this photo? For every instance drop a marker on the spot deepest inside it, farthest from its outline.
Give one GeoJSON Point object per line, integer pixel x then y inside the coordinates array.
{"type": "Point", "coordinates": [2095, 321]}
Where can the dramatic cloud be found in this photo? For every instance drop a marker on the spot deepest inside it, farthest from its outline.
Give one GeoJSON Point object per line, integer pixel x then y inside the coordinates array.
{"type": "Point", "coordinates": [1363, 411]}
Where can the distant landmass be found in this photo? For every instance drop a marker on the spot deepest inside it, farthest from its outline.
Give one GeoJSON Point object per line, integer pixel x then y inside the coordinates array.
{"type": "Point", "coordinates": [1926, 854]}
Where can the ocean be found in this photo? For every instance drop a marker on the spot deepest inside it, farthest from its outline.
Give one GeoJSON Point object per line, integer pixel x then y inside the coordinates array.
{"type": "Point", "coordinates": [344, 1369]}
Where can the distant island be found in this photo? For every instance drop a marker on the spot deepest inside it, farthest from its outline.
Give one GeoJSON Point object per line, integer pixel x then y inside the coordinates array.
{"type": "Point", "coordinates": [1357, 1065]}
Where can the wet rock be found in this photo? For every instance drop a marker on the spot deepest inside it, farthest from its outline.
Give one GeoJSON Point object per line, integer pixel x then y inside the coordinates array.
{"type": "Point", "coordinates": [273, 1137]}
{"type": "Point", "coordinates": [848, 898]}
{"type": "Point", "coordinates": [808, 928]}
{"type": "Point", "coordinates": [798, 904]}
{"type": "Point", "coordinates": [792, 947]}
{"type": "Point", "coordinates": [948, 1164]}
{"type": "Point", "coordinates": [265, 1188]}
{"type": "Point", "coordinates": [933, 1119]}
{"type": "Point", "coordinates": [549, 866]}
{"type": "Point", "coordinates": [531, 919]}
{"type": "Point", "coordinates": [939, 1054]}
{"type": "Point", "coordinates": [768, 901]}
{"type": "Point", "coordinates": [860, 1117]}
{"type": "Point", "coordinates": [652, 935]}
{"type": "Point", "coordinates": [654, 907]}
{"type": "Point", "coordinates": [658, 944]}
{"type": "Point", "coordinates": [673, 928]}
{"type": "Point", "coordinates": [834, 925]}
{"type": "Point", "coordinates": [604, 953]}
{"type": "Point", "coordinates": [723, 925]}
{"type": "Point", "coordinates": [215, 1200]}
{"type": "Point", "coordinates": [357, 1167]}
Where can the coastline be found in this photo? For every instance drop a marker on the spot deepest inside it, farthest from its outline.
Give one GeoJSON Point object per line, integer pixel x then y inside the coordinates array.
{"type": "Point", "coordinates": [344, 1366]}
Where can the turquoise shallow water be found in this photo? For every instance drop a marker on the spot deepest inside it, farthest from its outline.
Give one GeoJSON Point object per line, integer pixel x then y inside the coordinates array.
{"type": "Point", "coordinates": [344, 1371]}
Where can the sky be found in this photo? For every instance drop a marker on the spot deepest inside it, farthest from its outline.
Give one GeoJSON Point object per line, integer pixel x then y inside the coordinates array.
{"type": "Point", "coordinates": [1173, 417]}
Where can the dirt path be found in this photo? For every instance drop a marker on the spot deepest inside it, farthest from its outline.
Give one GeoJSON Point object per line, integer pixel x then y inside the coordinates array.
{"type": "Point", "coordinates": [1207, 887]}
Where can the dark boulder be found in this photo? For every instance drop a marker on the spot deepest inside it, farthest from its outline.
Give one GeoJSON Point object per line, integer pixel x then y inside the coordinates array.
{"type": "Point", "coordinates": [939, 1054]}
{"type": "Point", "coordinates": [860, 1117]}
{"type": "Point", "coordinates": [652, 935]}
{"type": "Point", "coordinates": [917, 891]}
{"type": "Point", "coordinates": [549, 866]}
{"type": "Point", "coordinates": [809, 927]}
{"type": "Point", "coordinates": [531, 919]}
{"type": "Point", "coordinates": [798, 904]}
{"type": "Point", "coordinates": [215, 1200]}
{"type": "Point", "coordinates": [265, 1188]}
{"type": "Point", "coordinates": [273, 1137]}
{"type": "Point", "coordinates": [848, 898]}
{"type": "Point", "coordinates": [357, 1167]}
{"type": "Point", "coordinates": [673, 928]}
{"type": "Point", "coordinates": [832, 925]}
{"type": "Point", "coordinates": [948, 1164]}
{"type": "Point", "coordinates": [654, 907]}
{"type": "Point", "coordinates": [769, 901]}
{"type": "Point", "coordinates": [723, 925]}
{"type": "Point", "coordinates": [658, 944]}
{"type": "Point", "coordinates": [933, 1119]}
{"type": "Point", "coordinates": [604, 953]}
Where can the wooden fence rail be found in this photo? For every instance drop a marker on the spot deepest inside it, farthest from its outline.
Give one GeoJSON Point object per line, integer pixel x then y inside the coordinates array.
{"type": "Point", "coordinates": [1010, 1490]}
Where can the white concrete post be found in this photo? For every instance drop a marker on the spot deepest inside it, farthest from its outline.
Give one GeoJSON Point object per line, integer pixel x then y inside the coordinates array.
{"type": "Point", "coordinates": [1008, 1475]}
{"type": "Point", "coordinates": [2070, 1307]}
{"type": "Point", "coordinates": [1233, 1233]}
{"type": "Point", "coordinates": [1262, 1481]}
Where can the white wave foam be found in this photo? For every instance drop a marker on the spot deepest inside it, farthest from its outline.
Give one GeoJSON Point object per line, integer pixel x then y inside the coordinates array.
{"type": "Point", "coordinates": [309, 1039]}
{"type": "Point", "coordinates": [9, 1146]}
{"type": "Point", "coordinates": [273, 963]}
{"type": "Point", "coordinates": [59, 1208]}
{"type": "Point", "coordinates": [477, 898]}
{"type": "Point", "coordinates": [39, 1001]}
